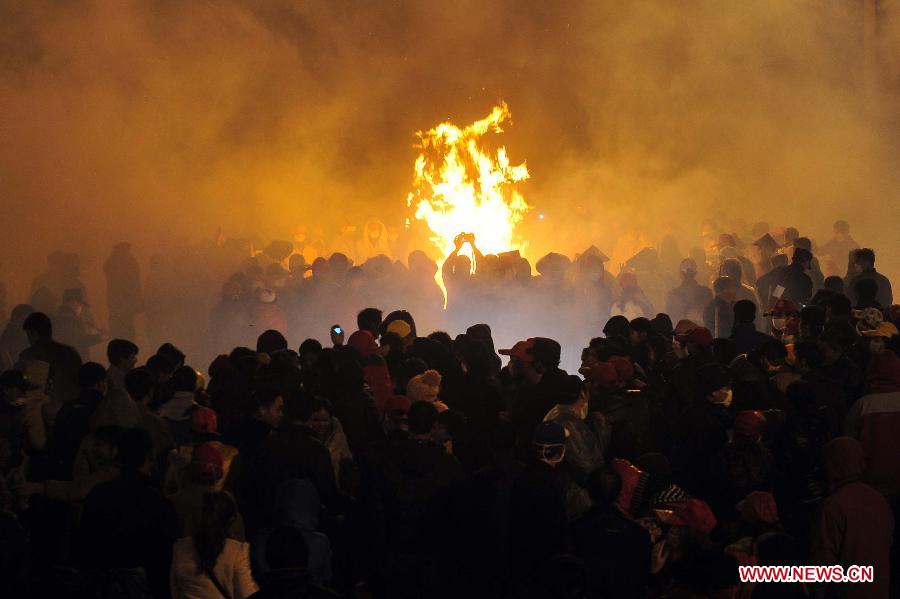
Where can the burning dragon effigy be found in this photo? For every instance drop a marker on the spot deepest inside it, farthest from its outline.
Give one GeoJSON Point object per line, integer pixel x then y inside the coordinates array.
{"type": "Point", "coordinates": [461, 186]}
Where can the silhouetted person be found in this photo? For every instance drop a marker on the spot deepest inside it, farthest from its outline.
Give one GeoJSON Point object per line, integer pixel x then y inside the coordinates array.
{"type": "Point", "coordinates": [63, 359]}
{"type": "Point", "coordinates": [124, 298]}
{"type": "Point", "coordinates": [864, 264]}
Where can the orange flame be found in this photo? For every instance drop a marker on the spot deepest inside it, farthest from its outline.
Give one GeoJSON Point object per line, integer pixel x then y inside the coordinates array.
{"type": "Point", "coordinates": [460, 186]}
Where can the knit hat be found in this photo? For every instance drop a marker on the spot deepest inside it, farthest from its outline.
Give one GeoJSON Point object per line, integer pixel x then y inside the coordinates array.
{"type": "Point", "coordinates": [207, 464]}
{"type": "Point", "coordinates": [424, 387]}
{"type": "Point", "coordinates": [204, 420]}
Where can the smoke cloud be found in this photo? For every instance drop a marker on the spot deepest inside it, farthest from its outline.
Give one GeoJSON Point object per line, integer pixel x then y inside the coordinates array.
{"type": "Point", "coordinates": [166, 119]}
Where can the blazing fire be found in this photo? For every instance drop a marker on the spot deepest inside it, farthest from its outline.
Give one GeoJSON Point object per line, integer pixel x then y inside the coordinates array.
{"type": "Point", "coordinates": [460, 186]}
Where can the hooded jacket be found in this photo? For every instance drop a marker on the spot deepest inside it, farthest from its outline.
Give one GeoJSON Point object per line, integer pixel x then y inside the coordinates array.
{"type": "Point", "coordinates": [855, 525]}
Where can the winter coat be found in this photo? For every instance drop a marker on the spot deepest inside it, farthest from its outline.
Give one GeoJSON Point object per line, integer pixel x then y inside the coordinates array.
{"type": "Point", "coordinates": [688, 301]}
{"type": "Point", "coordinates": [885, 295]}
{"type": "Point", "coordinates": [72, 424]}
{"type": "Point", "coordinates": [875, 419]}
{"type": "Point", "coordinates": [297, 506]}
{"type": "Point", "coordinates": [92, 467]}
{"type": "Point", "coordinates": [798, 285]}
{"type": "Point", "coordinates": [747, 339]}
{"type": "Point", "coordinates": [232, 571]}
{"type": "Point", "coordinates": [855, 524]}
{"type": "Point", "coordinates": [64, 366]}
{"type": "Point", "coordinates": [128, 524]}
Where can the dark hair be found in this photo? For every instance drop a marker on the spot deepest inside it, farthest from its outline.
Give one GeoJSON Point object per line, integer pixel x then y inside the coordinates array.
{"type": "Point", "coordinates": [39, 324]}
{"type": "Point", "coordinates": [834, 283]}
{"type": "Point", "coordinates": [296, 407]}
{"type": "Point", "coordinates": [369, 319]}
{"type": "Point", "coordinates": [218, 512]}
{"type": "Point", "coordinates": [617, 326]}
{"type": "Point", "coordinates": [744, 311]}
{"type": "Point", "coordinates": [422, 417]}
{"type": "Point", "coordinates": [310, 404]}
{"type": "Point", "coordinates": [441, 337]}
{"type": "Point", "coordinates": [271, 341]}
{"type": "Point", "coordinates": [779, 260]}
{"type": "Point", "coordinates": [310, 346]}
{"type": "Point", "coordinates": [139, 383]}
{"type": "Point", "coordinates": [135, 446]}
{"type": "Point", "coordinates": [119, 349]}
{"type": "Point", "coordinates": [641, 325]}
{"type": "Point", "coordinates": [803, 242]}
{"type": "Point", "coordinates": [264, 398]}
{"type": "Point", "coordinates": [813, 319]}
{"type": "Point", "coordinates": [399, 315]}
{"type": "Point", "coordinates": [184, 379]}
{"type": "Point", "coordinates": [172, 354]}
{"type": "Point", "coordinates": [90, 374]}
{"type": "Point", "coordinates": [864, 255]}
{"type": "Point", "coordinates": [160, 364]}
{"type": "Point", "coordinates": [570, 389]}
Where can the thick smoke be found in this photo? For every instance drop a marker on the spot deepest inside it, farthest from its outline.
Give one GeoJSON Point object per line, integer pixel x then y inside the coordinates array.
{"type": "Point", "coordinates": [167, 119]}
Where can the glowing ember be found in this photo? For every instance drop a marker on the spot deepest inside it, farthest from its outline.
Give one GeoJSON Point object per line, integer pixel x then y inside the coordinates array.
{"type": "Point", "coordinates": [459, 186]}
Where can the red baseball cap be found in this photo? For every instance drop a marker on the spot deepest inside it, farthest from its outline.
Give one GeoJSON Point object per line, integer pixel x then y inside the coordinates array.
{"type": "Point", "coordinates": [699, 336]}
{"type": "Point", "coordinates": [623, 367]}
{"type": "Point", "coordinates": [204, 420]}
{"type": "Point", "coordinates": [603, 374]}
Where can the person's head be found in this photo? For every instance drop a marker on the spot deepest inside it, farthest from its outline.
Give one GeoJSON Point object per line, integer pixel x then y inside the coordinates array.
{"type": "Point", "coordinates": [286, 560]}
{"type": "Point", "coordinates": [688, 269]}
{"type": "Point", "coordinates": [122, 354]}
{"type": "Point", "coordinates": [772, 355]}
{"type": "Point", "coordinates": [573, 392]}
{"type": "Point", "coordinates": [319, 418]}
{"type": "Point", "coordinates": [92, 376]}
{"type": "Point", "coordinates": [37, 327]}
{"type": "Point", "coordinates": [423, 417]}
{"type": "Point", "coordinates": [726, 288]}
{"type": "Point", "coordinates": [841, 229]}
{"type": "Point", "coordinates": [217, 514]}
{"type": "Point", "coordinates": [835, 284]}
{"type": "Point", "coordinates": [174, 355]}
{"type": "Point", "coordinates": [744, 312]}
{"type": "Point", "coordinates": [864, 259]}
{"type": "Point", "coordinates": [844, 461]}
{"type": "Point", "coordinates": [160, 367]}
{"type": "Point", "coordinates": [271, 342]}
{"type": "Point", "coordinates": [639, 330]}
{"type": "Point", "coordinates": [369, 319]}
{"type": "Point", "coordinates": [549, 442]}
{"type": "Point", "coordinates": [140, 385]}
{"type": "Point", "coordinates": [545, 354]}
{"type": "Point", "coordinates": [803, 257]}
{"type": "Point", "coordinates": [617, 327]}
{"type": "Point", "coordinates": [184, 379]}
{"type": "Point", "coordinates": [19, 313]}
{"type": "Point", "coordinates": [804, 243]}
{"type": "Point", "coordinates": [269, 407]}
{"type": "Point", "coordinates": [790, 234]}
{"type": "Point", "coordinates": [732, 269]}
{"type": "Point", "coordinates": [136, 451]}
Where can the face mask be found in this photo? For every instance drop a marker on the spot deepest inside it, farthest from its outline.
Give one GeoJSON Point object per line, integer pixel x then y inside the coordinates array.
{"type": "Point", "coordinates": [779, 323]}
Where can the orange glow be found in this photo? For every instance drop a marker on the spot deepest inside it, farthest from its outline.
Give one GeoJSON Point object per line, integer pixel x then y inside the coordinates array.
{"type": "Point", "coordinates": [460, 186]}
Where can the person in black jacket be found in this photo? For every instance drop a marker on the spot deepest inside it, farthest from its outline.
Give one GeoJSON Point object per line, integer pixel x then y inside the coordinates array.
{"type": "Point", "coordinates": [127, 523]}
{"type": "Point", "coordinates": [73, 422]}
{"type": "Point", "coordinates": [615, 549]}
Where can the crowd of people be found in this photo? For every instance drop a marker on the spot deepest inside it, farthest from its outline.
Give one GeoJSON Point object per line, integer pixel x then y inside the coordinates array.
{"type": "Point", "coordinates": [732, 405]}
